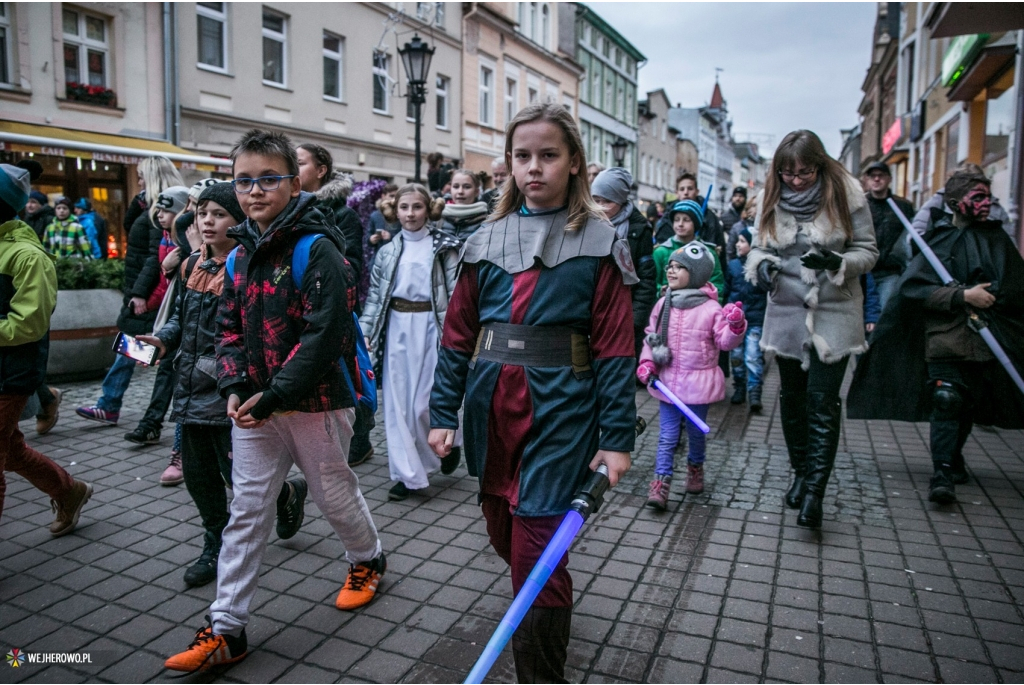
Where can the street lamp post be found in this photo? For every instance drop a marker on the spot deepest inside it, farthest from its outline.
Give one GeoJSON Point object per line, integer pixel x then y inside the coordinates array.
{"type": "Point", "coordinates": [416, 57]}
{"type": "Point", "coordinates": [619, 150]}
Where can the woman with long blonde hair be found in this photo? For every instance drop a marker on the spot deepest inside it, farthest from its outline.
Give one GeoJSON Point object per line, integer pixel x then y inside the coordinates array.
{"type": "Point", "coordinates": [142, 276]}
{"type": "Point", "coordinates": [813, 240]}
{"type": "Point", "coordinates": [538, 340]}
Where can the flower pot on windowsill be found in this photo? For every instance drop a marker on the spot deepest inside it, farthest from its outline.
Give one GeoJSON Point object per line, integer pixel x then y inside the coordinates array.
{"type": "Point", "coordinates": [92, 95]}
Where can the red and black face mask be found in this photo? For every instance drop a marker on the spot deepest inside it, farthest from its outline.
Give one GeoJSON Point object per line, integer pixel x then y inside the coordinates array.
{"type": "Point", "coordinates": [976, 204]}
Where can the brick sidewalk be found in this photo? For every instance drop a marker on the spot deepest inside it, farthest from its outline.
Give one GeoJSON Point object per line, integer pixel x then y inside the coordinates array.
{"type": "Point", "coordinates": [723, 587]}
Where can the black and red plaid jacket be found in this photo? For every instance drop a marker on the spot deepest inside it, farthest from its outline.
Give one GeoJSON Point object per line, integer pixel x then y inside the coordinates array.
{"type": "Point", "coordinates": [279, 338]}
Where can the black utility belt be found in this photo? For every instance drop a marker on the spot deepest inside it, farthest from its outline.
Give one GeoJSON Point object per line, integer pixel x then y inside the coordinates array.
{"type": "Point", "coordinates": [409, 306]}
{"type": "Point", "coordinates": [546, 346]}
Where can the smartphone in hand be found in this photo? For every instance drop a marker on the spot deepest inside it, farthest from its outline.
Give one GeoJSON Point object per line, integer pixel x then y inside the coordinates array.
{"type": "Point", "coordinates": [133, 348]}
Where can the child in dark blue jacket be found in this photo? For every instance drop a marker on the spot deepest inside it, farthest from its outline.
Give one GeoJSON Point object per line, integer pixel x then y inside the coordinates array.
{"type": "Point", "coordinates": [747, 359]}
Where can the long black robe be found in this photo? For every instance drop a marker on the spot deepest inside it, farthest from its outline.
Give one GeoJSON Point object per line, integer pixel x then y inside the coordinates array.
{"type": "Point", "coordinates": [890, 382]}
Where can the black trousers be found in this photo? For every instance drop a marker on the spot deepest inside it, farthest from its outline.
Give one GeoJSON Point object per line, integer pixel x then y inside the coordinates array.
{"type": "Point", "coordinates": [163, 392]}
{"type": "Point", "coordinates": [948, 434]}
{"type": "Point", "coordinates": [818, 378]}
{"type": "Point", "coordinates": [207, 469]}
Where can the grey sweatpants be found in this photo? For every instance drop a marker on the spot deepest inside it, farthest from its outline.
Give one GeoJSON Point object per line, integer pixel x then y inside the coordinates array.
{"type": "Point", "coordinates": [316, 443]}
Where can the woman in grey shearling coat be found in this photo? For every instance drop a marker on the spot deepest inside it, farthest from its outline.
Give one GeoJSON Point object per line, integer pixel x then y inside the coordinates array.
{"type": "Point", "coordinates": [814, 241]}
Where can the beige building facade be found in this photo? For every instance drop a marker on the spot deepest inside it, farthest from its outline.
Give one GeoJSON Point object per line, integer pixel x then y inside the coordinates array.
{"type": "Point", "coordinates": [658, 147]}
{"type": "Point", "coordinates": [328, 73]}
{"type": "Point", "coordinates": [82, 92]}
{"type": "Point", "coordinates": [510, 60]}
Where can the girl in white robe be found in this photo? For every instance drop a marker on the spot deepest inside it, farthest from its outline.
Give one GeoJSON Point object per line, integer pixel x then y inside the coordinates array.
{"type": "Point", "coordinates": [412, 278]}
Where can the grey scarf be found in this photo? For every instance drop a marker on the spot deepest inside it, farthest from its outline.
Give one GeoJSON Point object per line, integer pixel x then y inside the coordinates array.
{"type": "Point", "coordinates": [804, 204]}
{"type": "Point", "coordinates": [621, 220]}
{"type": "Point", "coordinates": [684, 298]}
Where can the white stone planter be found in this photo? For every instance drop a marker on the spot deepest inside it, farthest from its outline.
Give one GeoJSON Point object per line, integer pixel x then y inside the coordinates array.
{"type": "Point", "coordinates": [82, 331]}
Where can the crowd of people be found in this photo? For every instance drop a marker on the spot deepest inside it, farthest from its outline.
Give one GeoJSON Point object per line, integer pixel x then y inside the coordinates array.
{"type": "Point", "coordinates": [509, 327]}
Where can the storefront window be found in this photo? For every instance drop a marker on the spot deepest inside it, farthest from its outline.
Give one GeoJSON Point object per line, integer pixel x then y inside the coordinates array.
{"type": "Point", "coordinates": [952, 144]}
{"type": "Point", "coordinates": [999, 118]}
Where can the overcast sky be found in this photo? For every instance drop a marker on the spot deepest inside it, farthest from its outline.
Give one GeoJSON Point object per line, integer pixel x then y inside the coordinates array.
{"type": "Point", "coordinates": [786, 65]}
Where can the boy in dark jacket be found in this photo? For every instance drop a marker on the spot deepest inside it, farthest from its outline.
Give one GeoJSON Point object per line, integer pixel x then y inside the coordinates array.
{"type": "Point", "coordinates": [611, 190]}
{"type": "Point", "coordinates": [278, 348]}
{"type": "Point", "coordinates": [197, 406]}
{"type": "Point", "coordinates": [28, 293]}
{"type": "Point", "coordinates": [747, 359]}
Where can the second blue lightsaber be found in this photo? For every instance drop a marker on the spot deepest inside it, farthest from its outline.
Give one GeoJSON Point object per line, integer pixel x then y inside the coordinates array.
{"type": "Point", "coordinates": [586, 502]}
{"type": "Point", "coordinates": [687, 412]}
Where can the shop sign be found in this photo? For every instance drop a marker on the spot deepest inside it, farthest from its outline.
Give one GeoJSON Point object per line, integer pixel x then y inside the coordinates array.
{"type": "Point", "coordinates": [55, 151]}
{"type": "Point", "coordinates": [117, 159]}
{"type": "Point", "coordinates": [892, 136]}
{"type": "Point", "coordinates": [959, 55]}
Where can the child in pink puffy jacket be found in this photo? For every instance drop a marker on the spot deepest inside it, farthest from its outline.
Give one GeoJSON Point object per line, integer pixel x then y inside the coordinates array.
{"type": "Point", "coordinates": [686, 331]}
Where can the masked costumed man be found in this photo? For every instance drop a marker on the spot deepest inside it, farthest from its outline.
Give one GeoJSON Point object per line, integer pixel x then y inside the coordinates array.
{"type": "Point", "coordinates": [925, 338]}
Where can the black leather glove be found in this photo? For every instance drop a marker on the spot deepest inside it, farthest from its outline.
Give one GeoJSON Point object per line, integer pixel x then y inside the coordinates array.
{"type": "Point", "coordinates": [829, 261]}
{"type": "Point", "coordinates": [766, 272]}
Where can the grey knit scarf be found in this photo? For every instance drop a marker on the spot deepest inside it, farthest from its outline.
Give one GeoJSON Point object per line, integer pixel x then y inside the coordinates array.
{"type": "Point", "coordinates": [804, 204]}
{"type": "Point", "coordinates": [685, 298]}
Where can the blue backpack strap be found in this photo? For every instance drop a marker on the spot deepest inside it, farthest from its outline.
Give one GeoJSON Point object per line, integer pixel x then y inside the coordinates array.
{"type": "Point", "coordinates": [300, 256]}
{"type": "Point", "coordinates": [230, 264]}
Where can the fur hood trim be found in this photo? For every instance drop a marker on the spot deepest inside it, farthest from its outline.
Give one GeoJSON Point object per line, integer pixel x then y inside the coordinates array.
{"type": "Point", "coordinates": [336, 190]}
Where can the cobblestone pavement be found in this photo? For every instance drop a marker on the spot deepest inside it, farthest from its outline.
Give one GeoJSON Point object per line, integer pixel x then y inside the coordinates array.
{"type": "Point", "coordinates": [723, 587]}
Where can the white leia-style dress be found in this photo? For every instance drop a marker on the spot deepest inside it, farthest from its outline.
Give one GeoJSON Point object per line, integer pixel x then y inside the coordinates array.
{"type": "Point", "coordinates": [410, 355]}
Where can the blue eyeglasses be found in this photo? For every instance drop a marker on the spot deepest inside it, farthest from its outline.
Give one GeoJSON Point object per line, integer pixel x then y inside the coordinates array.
{"type": "Point", "coordinates": [266, 183]}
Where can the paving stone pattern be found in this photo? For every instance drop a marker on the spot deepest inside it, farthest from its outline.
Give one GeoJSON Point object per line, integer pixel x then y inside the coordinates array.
{"type": "Point", "coordinates": [722, 588]}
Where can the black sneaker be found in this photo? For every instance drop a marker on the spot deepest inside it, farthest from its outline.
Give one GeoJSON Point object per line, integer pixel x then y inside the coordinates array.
{"type": "Point", "coordinates": [205, 568]}
{"type": "Point", "coordinates": [355, 459]}
{"type": "Point", "coordinates": [291, 513]}
{"type": "Point", "coordinates": [398, 492]}
{"type": "Point", "coordinates": [739, 394]}
{"type": "Point", "coordinates": [143, 435]}
{"type": "Point", "coordinates": [942, 489]}
{"type": "Point", "coordinates": [451, 462]}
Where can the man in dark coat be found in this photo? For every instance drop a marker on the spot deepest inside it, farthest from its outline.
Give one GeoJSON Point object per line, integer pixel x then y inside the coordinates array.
{"type": "Point", "coordinates": [926, 362]}
{"type": "Point", "coordinates": [734, 214]}
{"type": "Point", "coordinates": [892, 242]}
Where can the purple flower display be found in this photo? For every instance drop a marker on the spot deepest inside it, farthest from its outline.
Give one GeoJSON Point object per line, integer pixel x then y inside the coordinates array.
{"type": "Point", "coordinates": [363, 200]}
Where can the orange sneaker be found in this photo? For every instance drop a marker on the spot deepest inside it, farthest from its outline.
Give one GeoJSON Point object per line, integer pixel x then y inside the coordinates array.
{"type": "Point", "coordinates": [208, 650]}
{"type": "Point", "coordinates": [361, 584]}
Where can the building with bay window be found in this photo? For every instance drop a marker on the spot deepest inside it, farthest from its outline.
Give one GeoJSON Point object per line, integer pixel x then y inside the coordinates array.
{"type": "Point", "coordinates": [511, 59]}
{"type": "Point", "coordinates": [608, 92]}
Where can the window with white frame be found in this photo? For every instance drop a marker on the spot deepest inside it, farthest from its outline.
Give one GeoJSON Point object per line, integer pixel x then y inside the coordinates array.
{"type": "Point", "coordinates": [5, 44]}
{"type": "Point", "coordinates": [274, 48]}
{"type": "Point", "coordinates": [439, 14]}
{"type": "Point", "coordinates": [212, 29]}
{"type": "Point", "coordinates": [422, 10]}
{"type": "Point", "coordinates": [486, 94]}
{"type": "Point", "coordinates": [532, 96]}
{"type": "Point", "coordinates": [545, 25]}
{"type": "Point", "coordinates": [381, 91]}
{"type": "Point", "coordinates": [441, 89]}
{"type": "Point", "coordinates": [511, 98]}
{"type": "Point", "coordinates": [86, 48]}
{"type": "Point", "coordinates": [333, 46]}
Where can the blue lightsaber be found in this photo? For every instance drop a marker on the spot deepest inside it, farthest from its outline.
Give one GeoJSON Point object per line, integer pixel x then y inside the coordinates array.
{"type": "Point", "coordinates": [974, 321]}
{"type": "Point", "coordinates": [687, 412]}
{"type": "Point", "coordinates": [586, 502]}
{"type": "Point", "coordinates": [704, 205]}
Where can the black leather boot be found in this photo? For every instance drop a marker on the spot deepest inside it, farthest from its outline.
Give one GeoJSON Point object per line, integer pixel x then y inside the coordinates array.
{"type": "Point", "coordinates": [958, 470]}
{"type": "Point", "coordinates": [540, 645]}
{"type": "Point", "coordinates": [824, 415]}
{"type": "Point", "coordinates": [739, 392]}
{"type": "Point", "coordinates": [793, 414]}
{"type": "Point", "coordinates": [755, 398]}
{"type": "Point", "coordinates": [941, 490]}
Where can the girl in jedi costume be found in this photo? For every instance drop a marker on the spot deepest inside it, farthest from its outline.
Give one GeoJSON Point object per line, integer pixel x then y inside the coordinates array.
{"type": "Point", "coordinates": [925, 362]}
{"type": "Point", "coordinates": [538, 339]}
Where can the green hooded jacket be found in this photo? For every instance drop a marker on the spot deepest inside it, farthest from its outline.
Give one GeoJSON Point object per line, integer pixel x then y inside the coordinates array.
{"type": "Point", "coordinates": [28, 294]}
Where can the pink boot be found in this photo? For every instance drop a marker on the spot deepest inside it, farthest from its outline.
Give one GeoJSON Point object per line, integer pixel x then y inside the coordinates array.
{"type": "Point", "coordinates": [172, 475]}
{"type": "Point", "coordinates": [657, 494]}
{"type": "Point", "coordinates": [695, 478]}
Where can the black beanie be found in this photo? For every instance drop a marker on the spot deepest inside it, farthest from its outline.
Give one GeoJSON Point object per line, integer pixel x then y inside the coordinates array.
{"type": "Point", "coordinates": [224, 195]}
